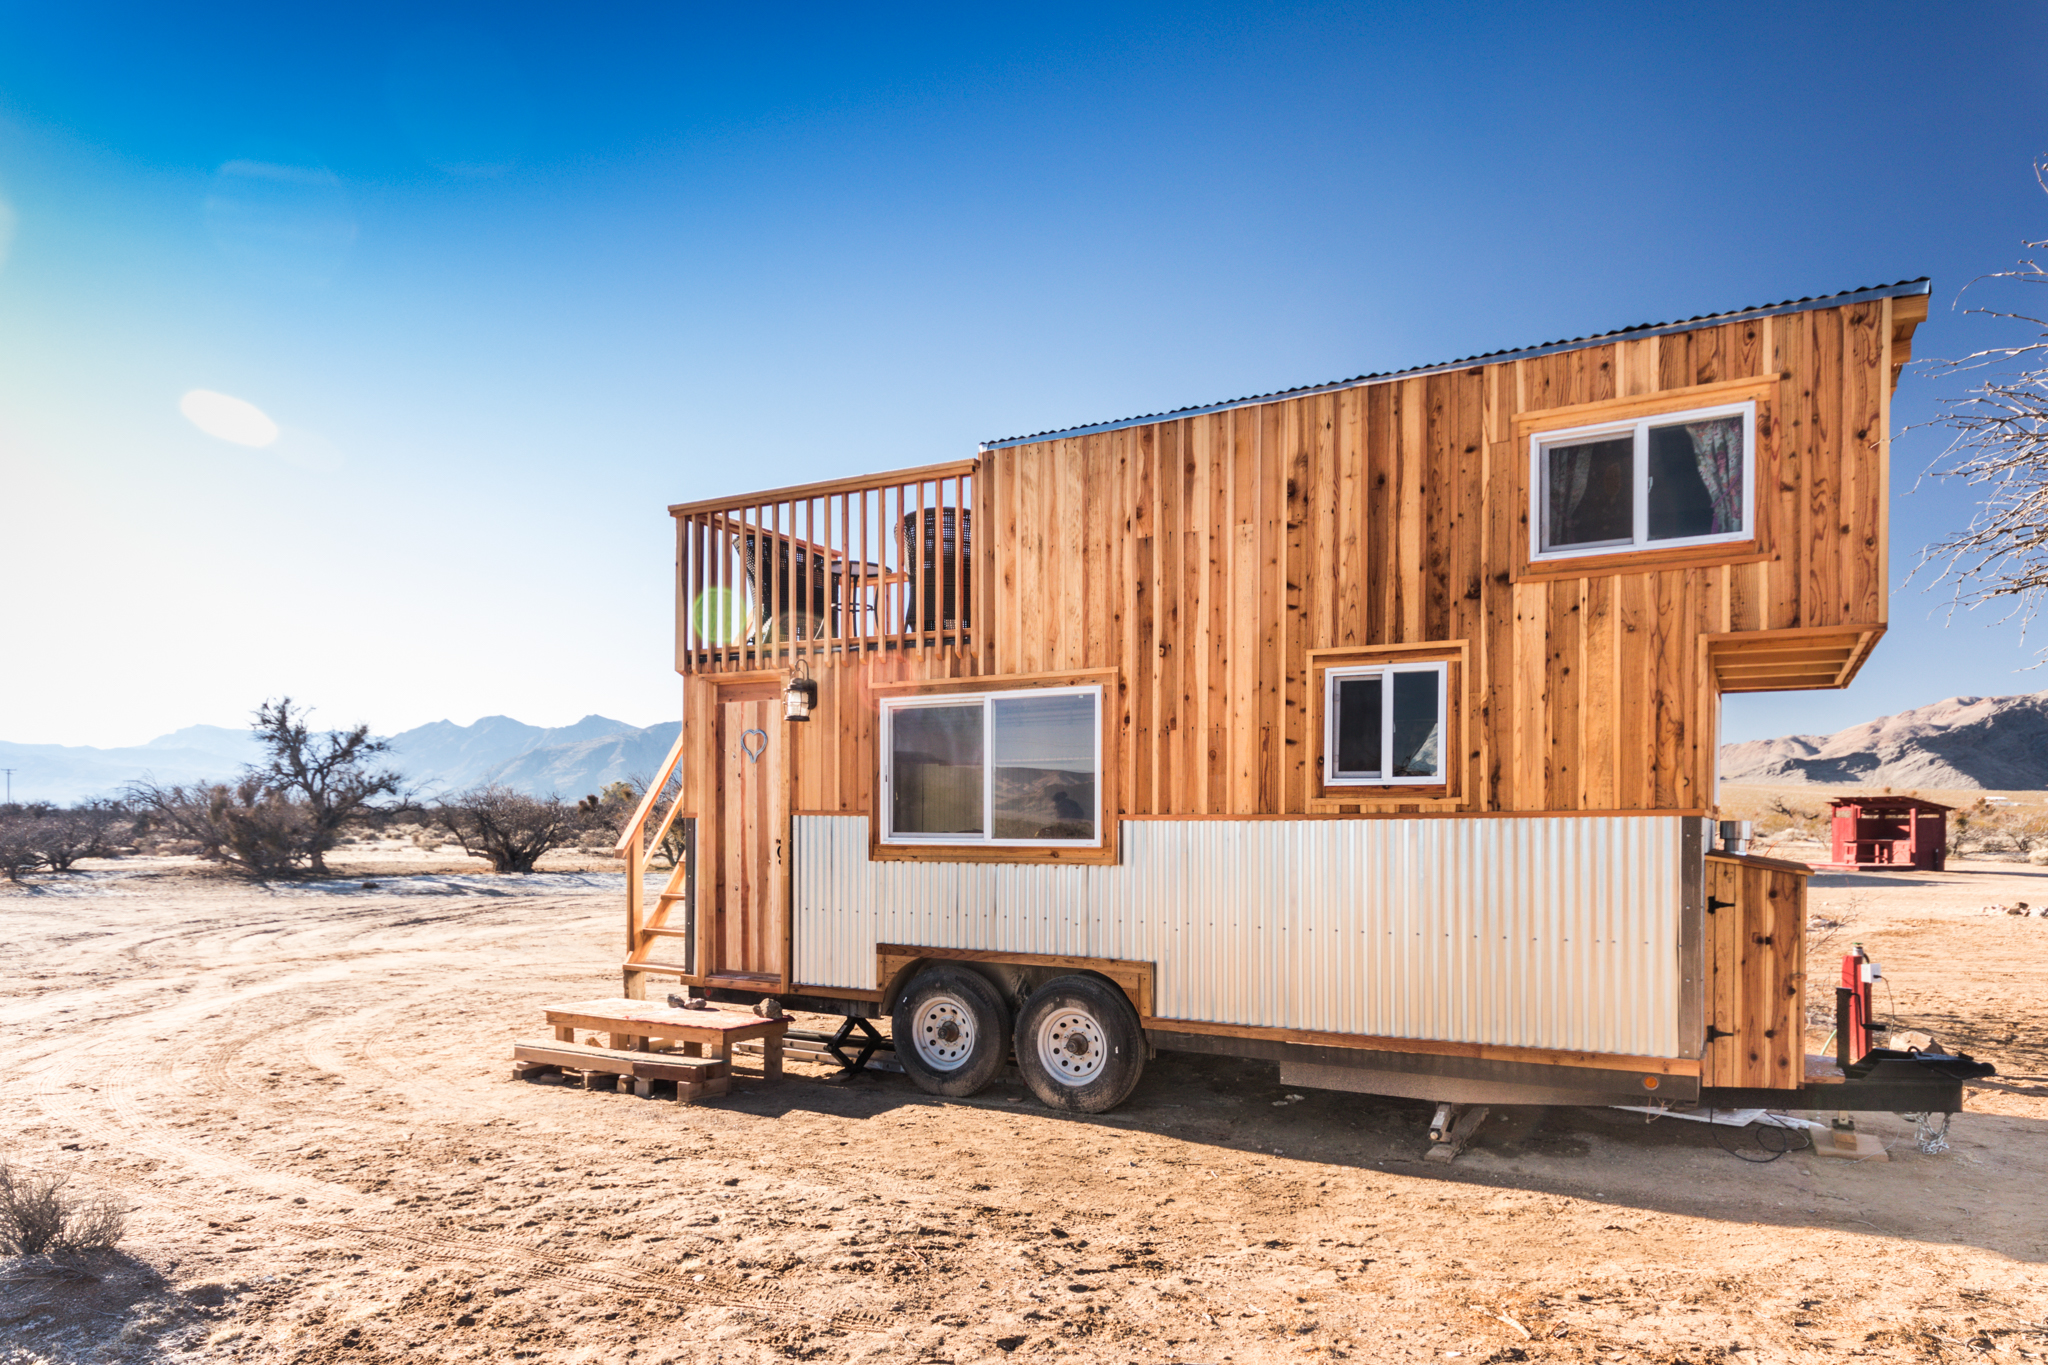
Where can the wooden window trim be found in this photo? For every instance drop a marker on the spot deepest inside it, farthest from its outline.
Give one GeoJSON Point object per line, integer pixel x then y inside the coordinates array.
{"type": "Point", "coordinates": [1763, 391]}
{"type": "Point", "coordinates": [1450, 794]}
{"type": "Point", "coordinates": [1106, 780]}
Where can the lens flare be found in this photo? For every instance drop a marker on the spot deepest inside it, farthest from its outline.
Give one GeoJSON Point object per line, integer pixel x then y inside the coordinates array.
{"type": "Point", "coordinates": [719, 617]}
{"type": "Point", "coordinates": [231, 419]}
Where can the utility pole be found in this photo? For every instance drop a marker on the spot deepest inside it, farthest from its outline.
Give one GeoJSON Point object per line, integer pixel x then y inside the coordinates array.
{"type": "Point", "coordinates": [10, 784]}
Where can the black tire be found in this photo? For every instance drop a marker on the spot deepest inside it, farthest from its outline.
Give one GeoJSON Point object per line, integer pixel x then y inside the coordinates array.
{"type": "Point", "coordinates": [951, 1030]}
{"type": "Point", "coordinates": [1079, 1045]}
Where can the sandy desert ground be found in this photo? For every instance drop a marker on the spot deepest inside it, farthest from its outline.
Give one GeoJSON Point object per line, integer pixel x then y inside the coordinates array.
{"type": "Point", "coordinates": [303, 1095]}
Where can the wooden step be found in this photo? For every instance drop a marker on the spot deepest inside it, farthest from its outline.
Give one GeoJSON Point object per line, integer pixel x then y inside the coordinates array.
{"type": "Point", "coordinates": [696, 1078]}
{"type": "Point", "coordinates": [662, 931]}
{"type": "Point", "coordinates": [645, 1066]}
{"type": "Point", "coordinates": [661, 1066]}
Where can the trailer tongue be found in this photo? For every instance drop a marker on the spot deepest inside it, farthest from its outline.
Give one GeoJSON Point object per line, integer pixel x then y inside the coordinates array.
{"type": "Point", "coordinates": [1863, 1077]}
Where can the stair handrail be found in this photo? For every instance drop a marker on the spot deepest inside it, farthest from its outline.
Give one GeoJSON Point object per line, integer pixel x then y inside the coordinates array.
{"type": "Point", "coordinates": [655, 788]}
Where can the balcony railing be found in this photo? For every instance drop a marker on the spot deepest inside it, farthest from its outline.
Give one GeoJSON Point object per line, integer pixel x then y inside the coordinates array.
{"type": "Point", "coordinates": [884, 562]}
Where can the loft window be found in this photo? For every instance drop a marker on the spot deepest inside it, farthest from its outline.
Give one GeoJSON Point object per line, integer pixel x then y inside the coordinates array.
{"type": "Point", "coordinates": [1016, 769]}
{"type": "Point", "coordinates": [1383, 725]}
{"type": "Point", "coordinates": [1681, 478]}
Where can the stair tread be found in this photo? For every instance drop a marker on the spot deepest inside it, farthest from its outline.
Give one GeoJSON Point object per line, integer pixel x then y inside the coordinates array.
{"type": "Point", "coordinates": [658, 1066]}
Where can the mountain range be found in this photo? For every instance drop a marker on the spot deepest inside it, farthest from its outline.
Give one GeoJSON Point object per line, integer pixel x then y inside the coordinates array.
{"type": "Point", "coordinates": [1988, 743]}
{"type": "Point", "coordinates": [569, 760]}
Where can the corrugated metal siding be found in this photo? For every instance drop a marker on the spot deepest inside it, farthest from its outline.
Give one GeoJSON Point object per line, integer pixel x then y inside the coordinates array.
{"type": "Point", "coordinates": [1528, 932]}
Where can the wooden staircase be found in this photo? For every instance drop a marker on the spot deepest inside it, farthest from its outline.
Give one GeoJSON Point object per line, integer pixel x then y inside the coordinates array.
{"type": "Point", "coordinates": [647, 929]}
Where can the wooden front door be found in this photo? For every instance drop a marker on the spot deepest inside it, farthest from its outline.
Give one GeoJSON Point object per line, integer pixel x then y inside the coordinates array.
{"type": "Point", "coordinates": [1756, 974]}
{"type": "Point", "coordinates": [748, 929]}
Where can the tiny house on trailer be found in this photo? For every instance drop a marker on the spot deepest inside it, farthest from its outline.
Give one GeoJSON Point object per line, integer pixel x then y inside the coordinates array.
{"type": "Point", "coordinates": [1368, 728]}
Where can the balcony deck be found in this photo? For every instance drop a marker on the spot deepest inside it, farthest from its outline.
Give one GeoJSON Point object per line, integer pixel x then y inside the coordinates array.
{"type": "Point", "coordinates": [848, 566]}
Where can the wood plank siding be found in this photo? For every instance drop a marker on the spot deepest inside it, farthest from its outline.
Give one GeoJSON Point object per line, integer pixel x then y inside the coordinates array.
{"type": "Point", "coordinates": [1203, 558]}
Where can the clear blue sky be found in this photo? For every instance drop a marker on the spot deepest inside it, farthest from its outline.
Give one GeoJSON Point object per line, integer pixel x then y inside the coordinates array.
{"type": "Point", "coordinates": [510, 279]}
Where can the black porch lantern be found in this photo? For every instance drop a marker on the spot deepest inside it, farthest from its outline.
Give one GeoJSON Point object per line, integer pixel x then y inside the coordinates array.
{"type": "Point", "coordinates": [799, 694]}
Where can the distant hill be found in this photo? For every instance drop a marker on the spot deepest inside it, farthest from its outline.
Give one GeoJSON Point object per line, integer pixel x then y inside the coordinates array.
{"type": "Point", "coordinates": [1993, 743]}
{"type": "Point", "coordinates": [569, 760]}
{"type": "Point", "coordinates": [65, 773]}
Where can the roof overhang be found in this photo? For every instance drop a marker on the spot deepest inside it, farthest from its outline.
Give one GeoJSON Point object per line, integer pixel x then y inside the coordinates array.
{"type": "Point", "coordinates": [1797, 659]}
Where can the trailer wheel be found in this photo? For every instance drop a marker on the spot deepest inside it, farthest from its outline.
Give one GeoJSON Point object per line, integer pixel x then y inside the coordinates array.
{"type": "Point", "coordinates": [951, 1031]}
{"type": "Point", "coordinates": [1079, 1045]}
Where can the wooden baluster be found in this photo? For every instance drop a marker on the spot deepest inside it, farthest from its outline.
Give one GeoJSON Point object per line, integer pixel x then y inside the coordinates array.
{"type": "Point", "coordinates": [920, 588]}
{"type": "Point", "coordinates": [959, 580]}
{"type": "Point", "coordinates": [683, 592]}
{"type": "Point", "coordinates": [810, 574]}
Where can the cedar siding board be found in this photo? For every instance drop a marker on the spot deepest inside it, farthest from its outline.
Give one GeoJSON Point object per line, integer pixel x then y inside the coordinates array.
{"type": "Point", "coordinates": [1203, 557]}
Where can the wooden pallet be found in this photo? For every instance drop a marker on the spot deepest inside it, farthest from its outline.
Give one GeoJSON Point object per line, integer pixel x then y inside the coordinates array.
{"type": "Point", "coordinates": [695, 1078]}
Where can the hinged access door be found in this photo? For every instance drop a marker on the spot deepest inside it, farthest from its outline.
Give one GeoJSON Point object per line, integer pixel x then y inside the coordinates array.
{"type": "Point", "coordinates": [1756, 973]}
{"type": "Point", "coordinates": [743, 896]}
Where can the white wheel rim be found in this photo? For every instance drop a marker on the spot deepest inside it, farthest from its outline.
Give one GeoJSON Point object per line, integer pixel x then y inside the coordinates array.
{"type": "Point", "coordinates": [1072, 1046]}
{"type": "Point", "coordinates": [943, 1033]}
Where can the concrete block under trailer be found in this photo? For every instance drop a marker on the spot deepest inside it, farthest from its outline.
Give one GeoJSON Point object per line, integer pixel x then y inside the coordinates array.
{"type": "Point", "coordinates": [1612, 959]}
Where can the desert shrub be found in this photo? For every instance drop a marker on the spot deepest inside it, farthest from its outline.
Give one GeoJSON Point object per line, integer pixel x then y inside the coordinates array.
{"type": "Point", "coordinates": [249, 826]}
{"type": "Point", "coordinates": [40, 837]}
{"type": "Point", "coordinates": [1781, 821]}
{"type": "Point", "coordinates": [1828, 935]}
{"type": "Point", "coordinates": [93, 829]}
{"type": "Point", "coordinates": [18, 856]}
{"type": "Point", "coordinates": [511, 829]}
{"type": "Point", "coordinates": [1999, 831]}
{"type": "Point", "coordinates": [39, 1215]}
{"type": "Point", "coordinates": [612, 809]}
{"type": "Point", "coordinates": [330, 774]}
{"type": "Point", "coordinates": [284, 815]}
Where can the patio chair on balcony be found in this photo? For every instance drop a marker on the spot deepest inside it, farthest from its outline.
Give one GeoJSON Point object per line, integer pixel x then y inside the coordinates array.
{"type": "Point", "coordinates": [934, 557]}
{"type": "Point", "coordinates": [793, 592]}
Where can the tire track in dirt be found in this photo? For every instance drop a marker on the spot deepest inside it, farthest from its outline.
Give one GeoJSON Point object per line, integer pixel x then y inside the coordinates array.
{"type": "Point", "coordinates": [638, 1274]}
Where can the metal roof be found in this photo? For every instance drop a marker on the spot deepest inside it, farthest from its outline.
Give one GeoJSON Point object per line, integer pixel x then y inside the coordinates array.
{"type": "Point", "coordinates": [1903, 289]}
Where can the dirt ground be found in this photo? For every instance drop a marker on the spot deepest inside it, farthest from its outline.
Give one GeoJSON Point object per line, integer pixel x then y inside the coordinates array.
{"type": "Point", "coordinates": [304, 1096]}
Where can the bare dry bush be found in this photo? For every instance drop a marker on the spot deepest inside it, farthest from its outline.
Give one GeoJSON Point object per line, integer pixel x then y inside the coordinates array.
{"type": "Point", "coordinates": [511, 829]}
{"type": "Point", "coordinates": [1782, 822]}
{"type": "Point", "coordinates": [18, 856]}
{"type": "Point", "coordinates": [613, 808]}
{"type": "Point", "coordinates": [328, 774]}
{"type": "Point", "coordinates": [1999, 831]}
{"type": "Point", "coordinates": [93, 829]}
{"type": "Point", "coordinates": [1999, 449]}
{"type": "Point", "coordinates": [45, 838]}
{"type": "Point", "coordinates": [249, 826]}
{"type": "Point", "coordinates": [1828, 934]}
{"type": "Point", "coordinates": [283, 816]}
{"type": "Point", "coordinates": [40, 1216]}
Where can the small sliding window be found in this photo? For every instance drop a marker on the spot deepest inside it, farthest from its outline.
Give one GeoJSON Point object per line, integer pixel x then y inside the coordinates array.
{"type": "Point", "coordinates": [1680, 478]}
{"type": "Point", "coordinates": [1003, 769]}
{"type": "Point", "coordinates": [1384, 725]}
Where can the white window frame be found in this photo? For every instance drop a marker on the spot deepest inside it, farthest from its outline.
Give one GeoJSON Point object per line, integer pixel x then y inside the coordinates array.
{"type": "Point", "coordinates": [1332, 676]}
{"type": "Point", "coordinates": [1639, 427]}
{"type": "Point", "coordinates": [986, 839]}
